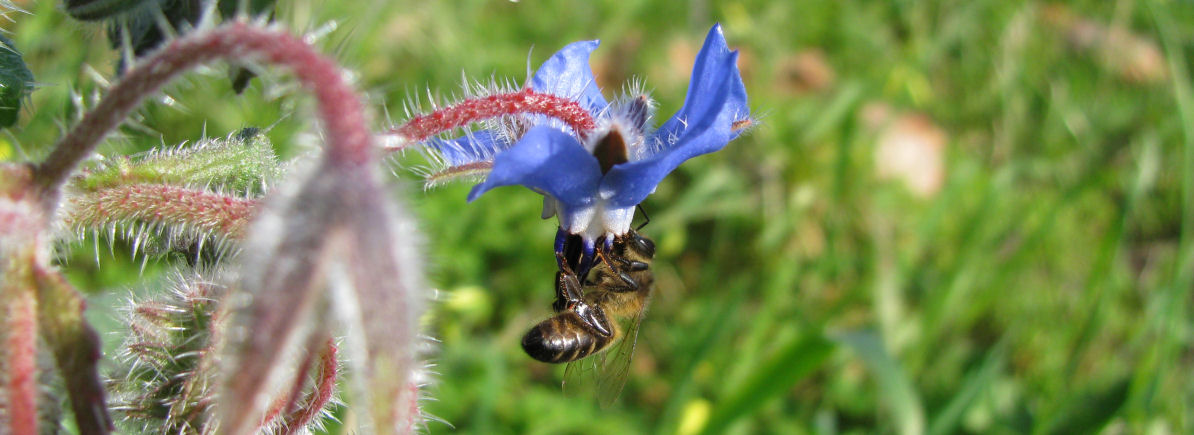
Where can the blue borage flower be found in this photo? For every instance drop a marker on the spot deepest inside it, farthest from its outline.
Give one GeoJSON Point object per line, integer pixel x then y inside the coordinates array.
{"type": "Point", "coordinates": [593, 180]}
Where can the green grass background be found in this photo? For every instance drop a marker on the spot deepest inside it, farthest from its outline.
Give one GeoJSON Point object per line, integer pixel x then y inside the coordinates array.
{"type": "Point", "coordinates": [1046, 288]}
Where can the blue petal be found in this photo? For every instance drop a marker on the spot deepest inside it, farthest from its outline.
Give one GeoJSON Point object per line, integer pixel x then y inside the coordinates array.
{"type": "Point", "coordinates": [477, 147]}
{"type": "Point", "coordinates": [716, 90]}
{"type": "Point", "coordinates": [716, 98]}
{"type": "Point", "coordinates": [567, 74]}
{"type": "Point", "coordinates": [549, 161]}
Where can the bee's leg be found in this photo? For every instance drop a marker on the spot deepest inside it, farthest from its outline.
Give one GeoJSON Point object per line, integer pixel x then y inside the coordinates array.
{"type": "Point", "coordinates": [594, 317]}
{"type": "Point", "coordinates": [561, 302]}
{"type": "Point", "coordinates": [562, 262]}
{"type": "Point", "coordinates": [632, 265]}
{"type": "Point", "coordinates": [605, 255]}
{"type": "Point", "coordinates": [630, 284]}
{"type": "Point", "coordinates": [601, 324]}
{"type": "Point", "coordinates": [568, 290]}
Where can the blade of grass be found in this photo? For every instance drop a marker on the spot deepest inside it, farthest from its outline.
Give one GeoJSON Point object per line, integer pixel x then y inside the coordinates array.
{"type": "Point", "coordinates": [715, 332]}
{"type": "Point", "coordinates": [792, 363]}
{"type": "Point", "coordinates": [894, 386]}
{"type": "Point", "coordinates": [1174, 299]}
{"type": "Point", "coordinates": [976, 382]}
{"type": "Point", "coordinates": [834, 114]}
{"type": "Point", "coordinates": [1100, 283]}
{"type": "Point", "coordinates": [1089, 412]}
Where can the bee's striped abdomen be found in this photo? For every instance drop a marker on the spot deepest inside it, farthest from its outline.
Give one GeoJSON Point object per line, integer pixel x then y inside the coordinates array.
{"type": "Point", "coordinates": [563, 338]}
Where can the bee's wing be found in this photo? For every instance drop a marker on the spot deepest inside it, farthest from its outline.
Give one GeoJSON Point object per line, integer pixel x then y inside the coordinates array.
{"type": "Point", "coordinates": [614, 365]}
{"type": "Point", "coordinates": [579, 376]}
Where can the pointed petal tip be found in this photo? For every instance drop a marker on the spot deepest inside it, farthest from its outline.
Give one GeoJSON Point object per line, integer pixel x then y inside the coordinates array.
{"type": "Point", "coordinates": [567, 73]}
{"type": "Point", "coordinates": [715, 112]}
{"type": "Point", "coordinates": [578, 48]}
{"type": "Point", "coordinates": [717, 37]}
{"type": "Point", "coordinates": [477, 191]}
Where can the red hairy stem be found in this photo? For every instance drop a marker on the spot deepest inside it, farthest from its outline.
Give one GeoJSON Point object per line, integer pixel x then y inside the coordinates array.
{"type": "Point", "coordinates": [294, 414]}
{"type": "Point", "coordinates": [325, 386]}
{"type": "Point", "coordinates": [20, 220]}
{"type": "Point", "coordinates": [472, 110]}
{"type": "Point", "coordinates": [287, 400]}
{"type": "Point", "coordinates": [156, 203]}
{"type": "Point", "coordinates": [275, 407]}
{"type": "Point", "coordinates": [349, 141]}
{"type": "Point", "coordinates": [20, 377]}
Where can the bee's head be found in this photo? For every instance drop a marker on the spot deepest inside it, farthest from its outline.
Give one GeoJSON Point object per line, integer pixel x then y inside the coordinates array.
{"type": "Point", "coordinates": [640, 245]}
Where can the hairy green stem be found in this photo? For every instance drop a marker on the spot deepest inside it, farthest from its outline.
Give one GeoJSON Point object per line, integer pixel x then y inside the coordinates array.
{"type": "Point", "coordinates": [205, 212]}
{"type": "Point", "coordinates": [76, 347]}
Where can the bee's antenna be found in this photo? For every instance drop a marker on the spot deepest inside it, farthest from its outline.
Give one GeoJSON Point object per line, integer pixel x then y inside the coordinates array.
{"type": "Point", "coordinates": [646, 219]}
{"type": "Point", "coordinates": [563, 263]}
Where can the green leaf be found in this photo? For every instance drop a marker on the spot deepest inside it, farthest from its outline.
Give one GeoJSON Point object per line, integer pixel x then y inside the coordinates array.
{"type": "Point", "coordinates": [15, 82]}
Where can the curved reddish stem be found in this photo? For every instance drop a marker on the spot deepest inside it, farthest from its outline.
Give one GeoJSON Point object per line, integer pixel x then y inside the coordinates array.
{"type": "Point", "coordinates": [321, 393]}
{"type": "Point", "coordinates": [472, 110]}
{"type": "Point", "coordinates": [349, 141]}
{"type": "Point", "coordinates": [289, 412]}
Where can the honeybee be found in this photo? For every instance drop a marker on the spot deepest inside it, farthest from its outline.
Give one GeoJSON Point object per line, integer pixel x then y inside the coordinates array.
{"type": "Point", "coordinates": [591, 317]}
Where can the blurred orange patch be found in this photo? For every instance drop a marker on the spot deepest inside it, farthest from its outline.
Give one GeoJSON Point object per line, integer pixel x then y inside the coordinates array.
{"type": "Point", "coordinates": [804, 72]}
{"type": "Point", "coordinates": [1134, 58]}
{"type": "Point", "coordinates": [909, 147]}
